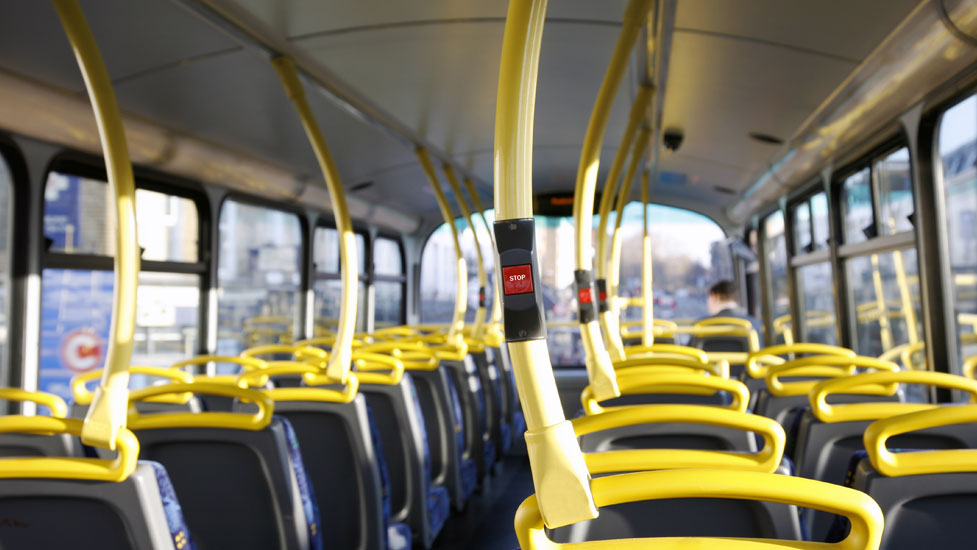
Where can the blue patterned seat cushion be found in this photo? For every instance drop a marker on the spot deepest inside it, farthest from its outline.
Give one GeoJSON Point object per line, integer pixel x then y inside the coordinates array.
{"type": "Point", "coordinates": [505, 431]}
{"type": "Point", "coordinates": [309, 504]}
{"type": "Point", "coordinates": [469, 477]}
{"type": "Point", "coordinates": [390, 530]}
{"type": "Point", "coordinates": [399, 537]}
{"type": "Point", "coordinates": [518, 424]}
{"type": "Point", "coordinates": [459, 419]}
{"type": "Point", "coordinates": [171, 507]}
{"type": "Point", "coordinates": [438, 508]}
{"type": "Point", "coordinates": [488, 452]}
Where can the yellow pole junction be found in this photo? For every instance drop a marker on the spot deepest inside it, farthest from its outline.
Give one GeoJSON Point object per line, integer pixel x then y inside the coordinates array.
{"type": "Point", "coordinates": [478, 325]}
{"type": "Point", "coordinates": [638, 109]}
{"type": "Point", "coordinates": [456, 333]}
{"type": "Point", "coordinates": [559, 472]}
{"type": "Point", "coordinates": [598, 362]}
{"type": "Point", "coordinates": [647, 271]}
{"type": "Point", "coordinates": [107, 415]}
{"type": "Point", "coordinates": [494, 329]}
{"type": "Point", "coordinates": [341, 357]}
{"type": "Point", "coordinates": [611, 319]}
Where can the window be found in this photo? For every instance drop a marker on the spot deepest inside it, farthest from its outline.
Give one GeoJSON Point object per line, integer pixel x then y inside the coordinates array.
{"type": "Point", "coordinates": [820, 224]}
{"type": "Point", "coordinates": [389, 282]}
{"type": "Point", "coordinates": [438, 272]}
{"type": "Point", "coordinates": [327, 286]}
{"type": "Point", "coordinates": [690, 254]}
{"type": "Point", "coordinates": [815, 286]}
{"type": "Point", "coordinates": [76, 291]}
{"type": "Point", "coordinates": [958, 153]}
{"type": "Point", "coordinates": [802, 228]}
{"type": "Point", "coordinates": [883, 285]}
{"type": "Point", "coordinates": [775, 248]}
{"type": "Point", "coordinates": [259, 272]}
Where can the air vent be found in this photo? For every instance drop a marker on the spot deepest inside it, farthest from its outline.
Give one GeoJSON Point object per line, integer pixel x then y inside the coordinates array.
{"type": "Point", "coordinates": [766, 138]}
{"type": "Point", "coordinates": [360, 186]}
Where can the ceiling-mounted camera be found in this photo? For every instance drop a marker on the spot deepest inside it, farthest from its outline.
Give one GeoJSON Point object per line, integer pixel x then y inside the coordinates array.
{"type": "Point", "coordinates": [672, 139]}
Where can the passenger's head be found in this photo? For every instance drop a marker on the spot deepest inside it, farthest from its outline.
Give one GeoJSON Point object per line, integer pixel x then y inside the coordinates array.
{"type": "Point", "coordinates": [721, 296]}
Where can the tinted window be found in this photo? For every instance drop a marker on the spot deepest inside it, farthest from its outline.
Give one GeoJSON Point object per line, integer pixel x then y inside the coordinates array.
{"type": "Point", "coordinates": [856, 200]}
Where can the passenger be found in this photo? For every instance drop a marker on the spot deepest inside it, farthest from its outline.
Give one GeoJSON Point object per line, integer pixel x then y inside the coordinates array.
{"type": "Point", "coordinates": [723, 303]}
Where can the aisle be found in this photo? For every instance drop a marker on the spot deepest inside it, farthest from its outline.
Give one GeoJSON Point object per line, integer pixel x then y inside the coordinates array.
{"type": "Point", "coordinates": [486, 523]}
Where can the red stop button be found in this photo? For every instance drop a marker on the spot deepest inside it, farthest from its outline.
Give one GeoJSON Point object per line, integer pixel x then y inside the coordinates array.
{"type": "Point", "coordinates": [517, 279]}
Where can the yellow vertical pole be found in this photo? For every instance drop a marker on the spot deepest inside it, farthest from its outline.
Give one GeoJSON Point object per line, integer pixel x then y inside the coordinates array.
{"type": "Point", "coordinates": [906, 297]}
{"type": "Point", "coordinates": [456, 333]}
{"type": "Point", "coordinates": [341, 357]}
{"type": "Point", "coordinates": [638, 109]}
{"type": "Point", "coordinates": [885, 329]}
{"type": "Point", "coordinates": [559, 471]}
{"type": "Point", "coordinates": [478, 325]}
{"type": "Point", "coordinates": [496, 318]}
{"type": "Point", "coordinates": [611, 319]}
{"type": "Point", "coordinates": [598, 361]}
{"type": "Point", "coordinates": [107, 414]}
{"type": "Point", "coordinates": [647, 271]}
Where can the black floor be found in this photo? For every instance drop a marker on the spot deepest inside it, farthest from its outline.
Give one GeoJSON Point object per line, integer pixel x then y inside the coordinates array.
{"type": "Point", "coordinates": [486, 522]}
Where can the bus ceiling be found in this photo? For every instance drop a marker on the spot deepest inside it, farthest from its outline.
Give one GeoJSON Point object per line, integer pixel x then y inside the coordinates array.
{"type": "Point", "coordinates": [208, 107]}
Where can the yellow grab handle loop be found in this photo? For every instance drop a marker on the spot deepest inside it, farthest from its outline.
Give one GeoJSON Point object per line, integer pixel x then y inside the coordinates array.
{"type": "Point", "coordinates": [874, 411]}
{"type": "Point", "coordinates": [652, 380]}
{"type": "Point", "coordinates": [728, 326]}
{"type": "Point", "coordinates": [106, 416]}
{"type": "Point", "coordinates": [54, 403]}
{"type": "Point", "coordinates": [673, 349]}
{"type": "Point", "coordinates": [312, 375]}
{"type": "Point", "coordinates": [414, 355]}
{"type": "Point", "coordinates": [235, 421]}
{"type": "Point", "coordinates": [685, 363]}
{"type": "Point", "coordinates": [94, 469]}
{"type": "Point", "coordinates": [766, 460]}
{"type": "Point", "coordinates": [826, 366]}
{"type": "Point", "coordinates": [299, 351]}
{"type": "Point", "coordinates": [82, 396]}
{"type": "Point", "coordinates": [969, 367]}
{"type": "Point", "coordinates": [369, 367]}
{"type": "Point", "coordinates": [920, 462]}
{"type": "Point", "coordinates": [862, 512]}
{"type": "Point", "coordinates": [246, 363]}
{"type": "Point", "coordinates": [754, 362]}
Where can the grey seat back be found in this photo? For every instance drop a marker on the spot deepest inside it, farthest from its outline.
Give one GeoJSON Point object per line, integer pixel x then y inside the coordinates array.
{"type": "Point", "coordinates": [491, 383]}
{"type": "Point", "coordinates": [26, 445]}
{"type": "Point", "coordinates": [823, 452]}
{"type": "Point", "coordinates": [464, 375]}
{"type": "Point", "coordinates": [341, 464]}
{"type": "Point", "coordinates": [92, 515]}
{"type": "Point", "coordinates": [669, 436]}
{"type": "Point", "coordinates": [238, 488]}
{"type": "Point", "coordinates": [921, 511]}
{"type": "Point", "coordinates": [434, 395]}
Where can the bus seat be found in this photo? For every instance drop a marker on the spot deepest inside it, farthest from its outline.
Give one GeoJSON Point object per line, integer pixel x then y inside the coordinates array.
{"type": "Point", "coordinates": [464, 375]}
{"type": "Point", "coordinates": [415, 498]}
{"type": "Point", "coordinates": [922, 498]}
{"type": "Point", "coordinates": [828, 436]}
{"type": "Point", "coordinates": [343, 467]}
{"type": "Point", "coordinates": [139, 512]}
{"type": "Point", "coordinates": [395, 536]}
{"type": "Point", "coordinates": [513, 409]}
{"type": "Point", "coordinates": [469, 470]}
{"type": "Point", "coordinates": [491, 383]}
{"type": "Point", "coordinates": [240, 478]}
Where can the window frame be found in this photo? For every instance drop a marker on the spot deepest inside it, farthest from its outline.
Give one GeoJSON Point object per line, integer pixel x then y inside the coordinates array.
{"type": "Point", "coordinates": [402, 278]}
{"type": "Point", "coordinates": [13, 367]}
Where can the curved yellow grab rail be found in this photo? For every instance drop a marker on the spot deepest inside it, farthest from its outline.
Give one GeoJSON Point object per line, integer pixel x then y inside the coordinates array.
{"type": "Point", "coordinates": [312, 376]}
{"type": "Point", "coordinates": [920, 462]}
{"type": "Point", "coordinates": [234, 421]}
{"type": "Point", "coordinates": [767, 459]}
{"type": "Point", "coordinates": [744, 325]}
{"type": "Point", "coordinates": [477, 329]}
{"type": "Point", "coordinates": [650, 381]}
{"type": "Point", "coordinates": [82, 396]}
{"type": "Point", "coordinates": [559, 472]}
{"type": "Point", "coordinates": [863, 513]}
{"type": "Point", "coordinates": [246, 363]}
{"type": "Point", "coordinates": [826, 366]}
{"type": "Point", "coordinates": [874, 411]}
{"type": "Point", "coordinates": [54, 403]}
{"type": "Point", "coordinates": [413, 355]}
{"type": "Point", "coordinates": [94, 469]}
{"type": "Point", "coordinates": [370, 368]}
{"type": "Point", "coordinates": [970, 367]}
{"type": "Point", "coordinates": [661, 327]}
{"type": "Point", "coordinates": [904, 354]}
{"type": "Point", "coordinates": [634, 352]}
{"type": "Point", "coordinates": [676, 362]}
{"type": "Point", "coordinates": [298, 350]}
{"type": "Point", "coordinates": [106, 417]}
{"type": "Point", "coordinates": [755, 368]}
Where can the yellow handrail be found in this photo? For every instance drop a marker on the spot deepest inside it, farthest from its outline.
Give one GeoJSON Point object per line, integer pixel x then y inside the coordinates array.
{"type": "Point", "coordinates": [767, 459]}
{"type": "Point", "coordinates": [107, 415]}
{"type": "Point", "coordinates": [647, 273]}
{"type": "Point", "coordinates": [94, 469]}
{"type": "Point", "coordinates": [676, 362]}
{"type": "Point", "coordinates": [311, 374]}
{"type": "Point", "coordinates": [597, 359]}
{"type": "Point", "coordinates": [84, 397]}
{"type": "Point", "coordinates": [923, 462]}
{"type": "Point", "coordinates": [874, 411]}
{"type": "Point", "coordinates": [559, 472]}
{"type": "Point", "coordinates": [54, 403]}
{"type": "Point", "coordinates": [478, 325]}
{"type": "Point", "coordinates": [756, 369]}
{"type": "Point", "coordinates": [744, 325]}
{"type": "Point", "coordinates": [653, 380]}
{"type": "Point", "coordinates": [635, 352]}
{"type": "Point", "coordinates": [863, 513]}
{"type": "Point", "coordinates": [825, 366]}
{"type": "Point", "coordinates": [235, 421]}
{"type": "Point", "coordinates": [339, 362]}
{"type": "Point", "coordinates": [457, 329]}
